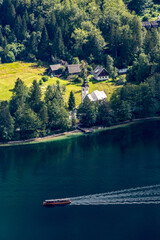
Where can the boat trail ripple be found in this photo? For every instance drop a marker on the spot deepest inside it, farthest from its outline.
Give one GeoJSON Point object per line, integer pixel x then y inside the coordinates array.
{"type": "Point", "coordinates": [139, 195]}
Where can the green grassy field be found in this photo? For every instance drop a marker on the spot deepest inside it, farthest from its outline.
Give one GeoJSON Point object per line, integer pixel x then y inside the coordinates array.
{"type": "Point", "coordinates": [29, 72]}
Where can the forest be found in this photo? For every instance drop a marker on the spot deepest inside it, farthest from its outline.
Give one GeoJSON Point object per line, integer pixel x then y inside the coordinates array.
{"type": "Point", "coordinates": [90, 30]}
{"type": "Point", "coordinates": [29, 115]}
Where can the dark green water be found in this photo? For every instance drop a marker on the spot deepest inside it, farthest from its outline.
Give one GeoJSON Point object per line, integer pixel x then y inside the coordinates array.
{"type": "Point", "coordinates": [108, 161]}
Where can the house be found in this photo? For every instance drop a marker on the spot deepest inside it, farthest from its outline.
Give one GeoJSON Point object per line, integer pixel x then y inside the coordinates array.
{"type": "Point", "coordinates": [100, 73]}
{"type": "Point", "coordinates": [74, 69]}
{"type": "Point", "coordinates": [97, 96]}
{"type": "Point", "coordinates": [54, 69]}
{"type": "Point", "coordinates": [94, 96]}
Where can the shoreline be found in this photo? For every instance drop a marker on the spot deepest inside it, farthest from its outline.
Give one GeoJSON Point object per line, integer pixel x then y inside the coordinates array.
{"type": "Point", "coordinates": [74, 133]}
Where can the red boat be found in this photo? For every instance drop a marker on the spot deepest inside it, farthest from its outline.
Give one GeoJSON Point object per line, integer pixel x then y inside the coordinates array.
{"type": "Point", "coordinates": [56, 202]}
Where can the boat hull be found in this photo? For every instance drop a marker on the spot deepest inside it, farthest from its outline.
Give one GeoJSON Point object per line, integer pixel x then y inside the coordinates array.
{"type": "Point", "coordinates": [56, 203]}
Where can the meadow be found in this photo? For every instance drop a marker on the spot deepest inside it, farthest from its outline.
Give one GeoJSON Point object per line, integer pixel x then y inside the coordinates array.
{"type": "Point", "coordinates": [30, 71]}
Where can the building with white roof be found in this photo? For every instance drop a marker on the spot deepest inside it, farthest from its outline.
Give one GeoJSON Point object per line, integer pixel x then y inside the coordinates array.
{"type": "Point", "coordinates": [94, 96]}
{"type": "Point", "coordinates": [97, 96]}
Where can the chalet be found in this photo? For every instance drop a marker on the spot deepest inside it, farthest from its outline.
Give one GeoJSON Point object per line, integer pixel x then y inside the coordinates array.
{"type": "Point", "coordinates": [100, 73]}
{"type": "Point", "coordinates": [74, 69]}
{"type": "Point", "coordinates": [54, 69]}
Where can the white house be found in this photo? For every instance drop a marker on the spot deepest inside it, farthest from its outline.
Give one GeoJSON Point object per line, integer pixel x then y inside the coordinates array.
{"type": "Point", "coordinates": [94, 96]}
{"type": "Point", "coordinates": [97, 96]}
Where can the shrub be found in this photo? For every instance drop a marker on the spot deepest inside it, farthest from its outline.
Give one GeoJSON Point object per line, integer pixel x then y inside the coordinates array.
{"type": "Point", "coordinates": [40, 82]}
{"type": "Point", "coordinates": [89, 68]}
{"type": "Point", "coordinates": [145, 18]}
{"type": "Point", "coordinates": [78, 80]}
{"type": "Point", "coordinates": [9, 57]}
{"type": "Point", "coordinates": [39, 63]}
{"type": "Point", "coordinates": [31, 57]}
{"type": "Point", "coordinates": [45, 79]}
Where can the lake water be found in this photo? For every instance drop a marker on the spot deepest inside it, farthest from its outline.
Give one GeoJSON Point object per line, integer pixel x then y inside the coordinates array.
{"type": "Point", "coordinates": [108, 161]}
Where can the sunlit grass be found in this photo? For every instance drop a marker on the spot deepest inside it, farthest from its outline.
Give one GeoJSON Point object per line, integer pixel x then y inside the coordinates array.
{"type": "Point", "coordinates": [29, 72]}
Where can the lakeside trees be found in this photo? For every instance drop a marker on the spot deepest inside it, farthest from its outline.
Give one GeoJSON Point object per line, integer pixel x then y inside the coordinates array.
{"type": "Point", "coordinates": [126, 103]}
{"type": "Point", "coordinates": [27, 115]}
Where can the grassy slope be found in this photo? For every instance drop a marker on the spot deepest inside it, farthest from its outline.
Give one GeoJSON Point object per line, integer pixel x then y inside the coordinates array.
{"type": "Point", "coordinates": [29, 71]}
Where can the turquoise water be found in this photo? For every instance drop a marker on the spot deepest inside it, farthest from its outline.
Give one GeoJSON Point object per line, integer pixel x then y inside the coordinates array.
{"type": "Point", "coordinates": [105, 162]}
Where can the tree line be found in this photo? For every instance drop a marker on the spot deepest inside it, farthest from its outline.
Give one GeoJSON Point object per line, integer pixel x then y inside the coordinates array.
{"type": "Point", "coordinates": [28, 114]}
{"type": "Point", "coordinates": [126, 103]}
{"type": "Point", "coordinates": [90, 30]}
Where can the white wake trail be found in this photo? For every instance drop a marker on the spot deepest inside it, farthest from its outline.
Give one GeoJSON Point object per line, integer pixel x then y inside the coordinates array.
{"type": "Point", "coordinates": [139, 195]}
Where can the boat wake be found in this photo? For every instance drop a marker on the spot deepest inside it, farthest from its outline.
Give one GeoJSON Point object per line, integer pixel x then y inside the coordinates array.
{"type": "Point", "coordinates": [139, 195]}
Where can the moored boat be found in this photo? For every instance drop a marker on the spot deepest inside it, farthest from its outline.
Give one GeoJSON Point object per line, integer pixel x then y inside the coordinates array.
{"type": "Point", "coordinates": [56, 202]}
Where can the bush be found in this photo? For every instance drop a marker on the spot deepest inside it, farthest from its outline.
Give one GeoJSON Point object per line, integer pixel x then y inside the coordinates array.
{"type": "Point", "coordinates": [78, 80]}
{"type": "Point", "coordinates": [39, 63]}
{"type": "Point", "coordinates": [45, 79]}
{"type": "Point", "coordinates": [9, 57]}
{"type": "Point", "coordinates": [31, 57]}
{"type": "Point", "coordinates": [89, 68]}
{"type": "Point", "coordinates": [40, 82]}
{"type": "Point", "coordinates": [145, 18]}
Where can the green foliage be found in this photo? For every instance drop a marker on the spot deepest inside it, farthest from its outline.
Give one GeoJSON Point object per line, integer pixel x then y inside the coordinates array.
{"type": "Point", "coordinates": [78, 80]}
{"type": "Point", "coordinates": [139, 5]}
{"type": "Point", "coordinates": [28, 116]}
{"type": "Point", "coordinates": [75, 60]}
{"type": "Point", "coordinates": [20, 94]}
{"type": "Point", "coordinates": [87, 113]}
{"type": "Point", "coordinates": [27, 121]}
{"type": "Point", "coordinates": [9, 57]}
{"type": "Point", "coordinates": [45, 78]}
{"type": "Point", "coordinates": [34, 98]}
{"type": "Point", "coordinates": [86, 29]}
{"type": "Point", "coordinates": [6, 123]}
{"type": "Point", "coordinates": [43, 45]}
{"type": "Point", "coordinates": [71, 102]}
{"type": "Point", "coordinates": [140, 69]}
{"type": "Point", "coordinates": [105, 115]}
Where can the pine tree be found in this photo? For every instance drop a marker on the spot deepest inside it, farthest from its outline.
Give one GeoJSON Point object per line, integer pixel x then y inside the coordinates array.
{"type": "Point", "coordinates": [1, 37]}
{"type": "Point", "coordinates": [71, 101]}
{"type": "Point", "coordinates": [20, 94]}
{"type": "Point", "coordinates": [6, 122]}
{"type": "Point", "coordinates": [18, 27]}
{"type": "Point", "coordinates": [9, 14]}
{"type": "Point", "coordinates": [40, 24]}
{"type": "Point", "coordinates": [5, 11]}
{"type": "Point", "coordinates": [33, 43]}
{"type": "Point", "coordinates": [35, 96]}
{"type": "Point", "coordinates": [4, 43]}
{"type": "Point", "coordinates": [23, 28]}
{"type": "Point", "coordinates": [52, 26]}
{"type": "Point", "coordinates": [26, 17]}
{"type": "Point", "coordinates": [109, 64]}
{"type": "Point", "coordinates": [43, 45]}
{"type": "Point", "coordinates": [58, 44]}
{"type": "Point", "coordinates": [43, 115]}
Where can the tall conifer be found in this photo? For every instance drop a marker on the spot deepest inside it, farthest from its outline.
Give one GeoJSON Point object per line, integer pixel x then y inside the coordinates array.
{"type": "Point", "coordinates": [43, 45]}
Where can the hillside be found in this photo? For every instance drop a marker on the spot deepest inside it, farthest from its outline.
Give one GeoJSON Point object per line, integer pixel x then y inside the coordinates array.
{"type": "Point", "coordinates": [29, 72]}
{"type": "Point", "coordinates": [89, 30]}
